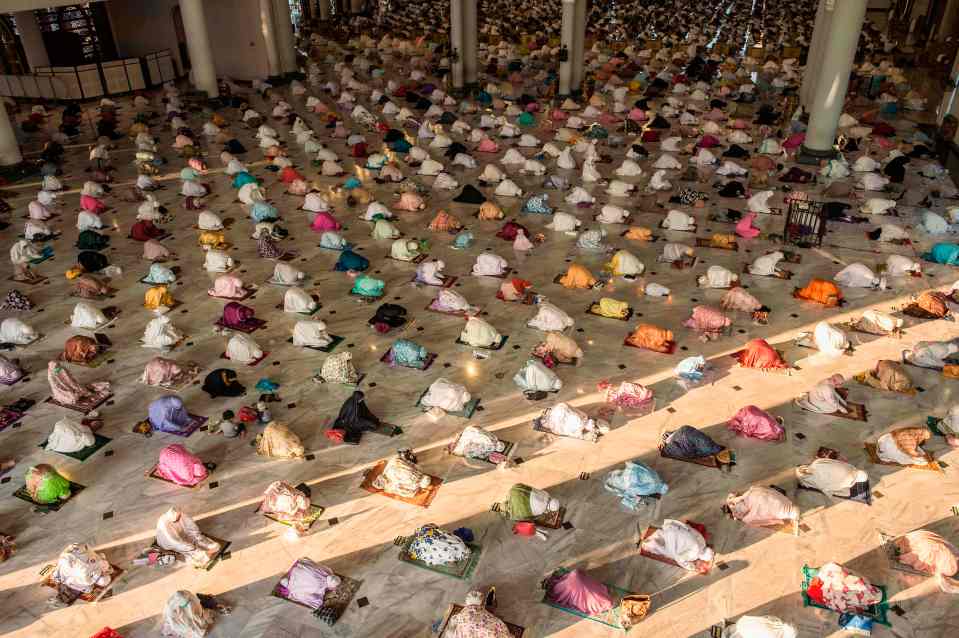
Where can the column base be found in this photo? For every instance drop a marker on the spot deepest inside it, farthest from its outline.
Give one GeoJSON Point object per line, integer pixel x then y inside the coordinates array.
{"type": "Point", "coordinates": [812, 157]}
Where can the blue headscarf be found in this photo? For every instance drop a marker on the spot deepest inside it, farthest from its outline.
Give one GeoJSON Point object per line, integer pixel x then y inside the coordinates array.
{"type": "Point", "coordinates": [408, 353]}
{"type": "Point", "coordinates": [463, 240]}
{"type": "Point", "coordinates": [538, 204]}
{"type": "Point", "coordinates": [688, 443]}
{"type": "Point", "coordinates": [263, 212]}
{"type": "Point", "coordinates": [944, 254]}
{"type": "Point", "coordinates": [349, 260]}
{"type": "Point", "coordinates": [167, 414]}
{"type": "Point", "coordinates": [634, 481]}
{"type": "Point", "coordinates": [242, 179]}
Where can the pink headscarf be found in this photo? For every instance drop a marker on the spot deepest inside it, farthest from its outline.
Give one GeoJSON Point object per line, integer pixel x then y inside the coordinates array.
{"type": "Point", "coordinates": [578, 591]}
{"type": "Point", "coordinates": [794, 141]}
{"type": "Point", "coordinates": [92, 204]}
{"type": "Point", "coordinates": [324, 222]}
{"type": "Point", "coordinates": [745, 228]}
{"type": "Point", "coordinates": [754, 423]}
{"type": "Point", "coordinates": [487, 146]}
{"type": "Point", "coordinates": [706, 319]}
{"type": "Point", "coordinates": [637, 114]}
{"type": "Point", "coordinates": [177, 465]}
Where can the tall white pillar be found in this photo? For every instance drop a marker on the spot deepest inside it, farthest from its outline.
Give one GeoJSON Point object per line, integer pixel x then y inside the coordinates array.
{"type": "Point", "coordinates": [32, 39]}
{"type": "Point", "coordinates": [470, 51]}
{"type": "Point", "coordinates": [268, 28]}
{"type": "Point", "coordinates": [324, 10]}
{"type": "Point", "coordinates": [810, 74]}
{"type": "Point", "coordinates": [567, 41]}
{"type": "Point", "coordinates": [457, 53]}
{"type": "Point", "coordinates": [836, 64]}
{"type": "Point", "coordinates": [198, 43]}
{"type": "Point", "coordinates": [950, 99]}
{"type": "Point", "coordinates": [285, 41]}
{"type": "Point", "coordinates": [578, 51]}
{"type": "Point", "coordinates": [9, 149]}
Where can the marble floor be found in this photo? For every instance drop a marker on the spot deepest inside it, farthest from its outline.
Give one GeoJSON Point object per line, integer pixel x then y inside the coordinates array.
{"type": "Point", "coordinates": [759, 571]}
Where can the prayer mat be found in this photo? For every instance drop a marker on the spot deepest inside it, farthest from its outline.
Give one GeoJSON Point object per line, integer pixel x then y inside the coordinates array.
{"type": "Point", "coordinates": [706, 461]}
{"type": "Point", "coordinates": [529, 299]}
{"type": "Point", "coordinates": [338, 250]}
{"type": "Point", "coordinates": [97, 594]}
{"type": "Point", "coordinates": [109, 294]}
{"type": "Point", "coordinates": [702, 242]}
{"type": "Point", "coordinates": [507, 448]}
{"type": "Point", "coordinates": [892, 553]}
{"type": "Point", "coordinates": [416, 260]}
{"type": "Point", "coordinates": [315, 512]}
{"type": "Point", "coordinates": [628, 220]}
{"type": "Point", "coordinates": [856, 411]}
{"type": "Point", "coordinates": [448, 281]}
{"type": "Point", "coordinates": [538, 427]}
{"type": "Point", "coordinates": [224, 546]}
{"type": "Point", "coordinates": [8, 417]}
{"type": "Point", "coordinates": [593, 309]}
{"type": "Point", "coordinates": [931, 464]}
{"type": "Point", "coordinates": [662, 559]}
{"type": "Point", "coordinates": [53, 237]}
{"type": "Point", "coordinates": [335, 601]}
{"type": "Point", "coordinates": [251, 364]}
{"type": "Point", "coordinates": [853, 325]}
{"type": "Point", "coordinates": [549, 520]}
{"type": "Point", "coordinates": [515, 631]}
{"type": "Point", "coordinates": [110, 312]}
{"type": "Point", "coordinates": [466, 412]}
{"type": "Point", "coordinates": [36, 281]}
{"type": "Point", "coordinates": [430, 358]}
{"type": "Point", "coordinates": [319, 306]}
{"type": "Point", "coordinates": [366, 298]}
{"type": "Point", "coordinates": [933, 423]}
{"type": "Point", "coordinates": [272, 282]}
{"type": "Point", "coordinates": [573, 363]}
{"type": "Point", "coordinates": [609, 618]}
{"type": "Point", "coordinates": [685, 262]}
{"type": "Point", "coordinates": [672, 347]}
{"type": "Point", "coordinates": [83, 408]}
{"type": "Point", "coordinates": [335, 341]}
{"type": "Point", "coordinates": [248, 327]}
{"type": "Point", "coordinates": [195, 422]}
{"type": "Point", "coordinates": [492, 347]}
{"type": "Point", "coordinates": [247, 293]}
{"type": "Point", "coordinates": [502, 275]}
{"type": "Point", "coordinates": [862, 376]}
{"type": "Point", "coordinates": [387, 430]}
{"type": "Point", "coordinates": [85, 453]}
{"type": "Point", "coordinates": [878, 613]}
{"type": "Point", "coordinates": [859, 492]}
{"type": "Point", "coordinates": [359, 380]}
{"type": "Point", "coordinates": [676, 230]}
{"type": "Point", "coordinates": [289, 255]}
{"type": "Point", "coordinates": [152, 474]}
{"type": "Point", "coordinates": [169, 348]}
{"type": "Point", "coordinates": [913, 310]}
{"type": "Point", "coordinates": [780, 274]}
{"type": "Point", "coordinates": [95, 362]}
{"type": "Point", "coordinates": [23, 495]}
{"type": "Point", "coordinates": [422, 499]}
{"type": "Point", "coordinates": [455, 313]}
{"type": "Point", "coordinates": [461, 570]}
{"type": "Point", "coordinates": [39, 260]}
{"type": "Point", "coordinates": [651, 240]}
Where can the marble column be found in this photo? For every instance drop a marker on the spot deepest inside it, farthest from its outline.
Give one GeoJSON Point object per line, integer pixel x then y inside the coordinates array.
{"type": "Point", "coordinates": [203, 66]}
{"type": "Point", "coordinates": [457, 54]}
{"type": "Point", "coordinates": [32, 39]}
{"type": "Point", "coordinates": [567, 42]}
{"type": "Point", "coordinates": [950, 99]}
{"type": "Point", "coordinates": [285, 41]}
{"type": "Point", "coordinates": [9, 149]}
{"type": "Point", "coordinates": [324, 10]}
{"type": "Point", "coordinates": [470, 39]}
{"type": "Point", "coordinates": [579, 35]}
{"type": "Point", "coordinates": [268, 28]}
{"type": "Point", "coordinates": [819, 34]}
{"type": "Point", "coordinates": [839, 53]}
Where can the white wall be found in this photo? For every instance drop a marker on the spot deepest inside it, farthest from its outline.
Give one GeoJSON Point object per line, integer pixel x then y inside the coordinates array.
{"type": "Point", "coordinates": [141, 27]}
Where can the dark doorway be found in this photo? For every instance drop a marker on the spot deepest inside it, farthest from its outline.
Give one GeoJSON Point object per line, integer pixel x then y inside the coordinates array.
{"type": "Point", "coordinates": [181, 40]}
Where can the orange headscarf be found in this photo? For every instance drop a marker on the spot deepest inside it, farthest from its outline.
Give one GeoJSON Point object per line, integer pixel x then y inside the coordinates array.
{"type": "Point", "coordinates": [934, 303]}
{"type": "Point", "coordinates": [820, 291]}
{"type": "Point", "coordinates": [652, 338]}
{"type": "Point", "coordinates": [759, 354]}
{"type": "Point", "coordinates": [577, 277]}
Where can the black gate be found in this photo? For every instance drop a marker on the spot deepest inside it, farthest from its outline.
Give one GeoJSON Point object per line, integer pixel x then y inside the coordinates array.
{"type": "Point", "coordinates": [805, 224]}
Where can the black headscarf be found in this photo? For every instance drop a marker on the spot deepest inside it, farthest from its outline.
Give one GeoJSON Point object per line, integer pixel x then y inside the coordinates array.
{"type": "Point", "coordinates": [92, 261]}
{"type": "Point", "coordinates": [392, 315]}
{"type": "Point", "coordinates": [355, 416]}
{"type": "Point", "coordinates": [222, 383]}
{"type": "Point", "coordinates": [470, 195]}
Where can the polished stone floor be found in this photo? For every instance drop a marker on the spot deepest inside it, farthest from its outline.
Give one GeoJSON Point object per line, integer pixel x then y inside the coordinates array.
{"type": "Point", "coordinates": [760, 572]}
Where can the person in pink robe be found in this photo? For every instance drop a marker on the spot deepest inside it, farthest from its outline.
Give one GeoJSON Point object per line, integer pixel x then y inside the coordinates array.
{"type": "Point", "coordinates": [92, 204]}
{"type": "Point", "coordinates": [155, 251]}
{"type": "Point", "coordinates": [708, 321]}
{"type": "Point", "coordinates": [745, 228]}
{"type": "Point", "coordinates": [755, 423]}
{"type": "Point", "coordinates": [577, 590]}
{"type": "Point", "coordinates": [177, 465]}
{"type": "Point", "coordinates": [323, 222]}
{"type": "Point", "coordinates": [227, 287]}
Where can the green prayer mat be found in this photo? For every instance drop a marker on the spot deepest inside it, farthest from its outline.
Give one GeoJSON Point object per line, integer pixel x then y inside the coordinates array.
{"type": "Point", "coordinates": [877, 612]}
{"type": "Point", "coordinates": [23, 495]}
{"type": "Point", "coordinates": [315, 512]}
{"type": "Point", "coordinates": [609, 618]}
{"type": "Point", "coordinates": [86, 452]}
{"type": "Point", "coordinates": [466, 412]}
{"type": "Point", "coordinates": [461, 570]}
{"type": "Point", "coordinates": [336, 340]}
